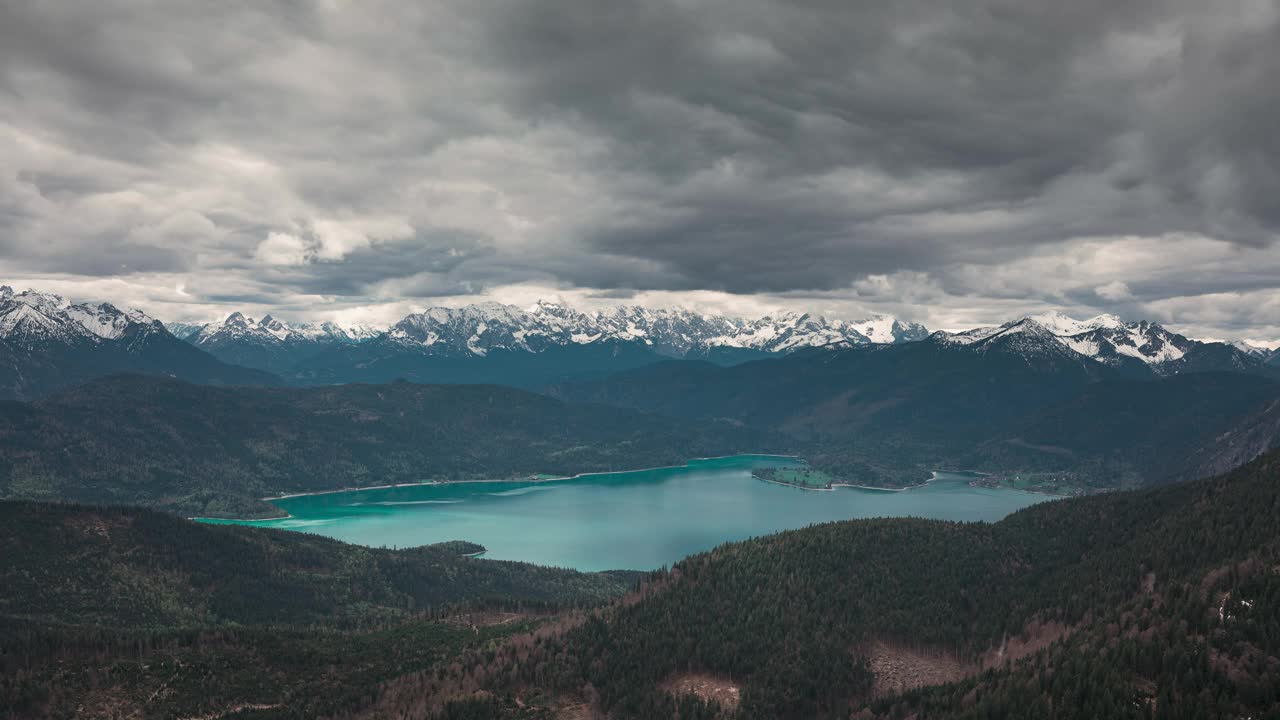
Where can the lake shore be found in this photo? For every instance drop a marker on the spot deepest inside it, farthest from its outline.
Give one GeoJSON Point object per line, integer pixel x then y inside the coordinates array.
{"type": "Point", "coordinates": [529, 479]}
{"type": "Point", "coordinates": [637, 521]}
{"type": "Point", "coordinates": [933, 475]}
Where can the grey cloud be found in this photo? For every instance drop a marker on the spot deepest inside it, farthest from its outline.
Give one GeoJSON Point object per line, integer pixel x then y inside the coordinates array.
{"type": "Point", "coordinates": [780, 147]}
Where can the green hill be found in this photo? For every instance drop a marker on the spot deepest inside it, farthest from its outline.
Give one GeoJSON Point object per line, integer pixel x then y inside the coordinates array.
{"type": "Point", "coordinates": [121, 612]}
{"type": "Point", "coordinates": [886, 415]}
{"type": "Point", "coordinates": [1163, 602]}
{"type": "Point", "coordinates": [210, 451]}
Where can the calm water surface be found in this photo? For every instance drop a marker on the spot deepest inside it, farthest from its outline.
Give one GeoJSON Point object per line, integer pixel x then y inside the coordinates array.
{"type": "Point", "coordinates": [635, 520]}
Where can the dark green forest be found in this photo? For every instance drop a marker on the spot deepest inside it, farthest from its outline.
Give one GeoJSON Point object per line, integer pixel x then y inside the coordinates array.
{"type": "Point", "coordinates": [1159, 603]}
{"type": "Point", "coordinates": [152, 615]}
{"type": "Point", "coordinates": [208, 451]}
{"type": "Point", "coordinates": [1156, 603]}
{"type": "Point", "coordinates": [880, 415]}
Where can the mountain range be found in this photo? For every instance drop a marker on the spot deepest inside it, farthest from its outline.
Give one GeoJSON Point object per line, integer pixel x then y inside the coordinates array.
{"type": "Point", "coordinates": [1105, 403]}
{"type": "Point", "coordinates": [427, 346]}
{"type": "Point", "coordinates": [1139, 348]}
{"type": "Point", "coordinates": [477, 331]}
{"type": "Point", "coordinates": [48, 343]}
{"type": "Point", "coordinates": [270, 344]}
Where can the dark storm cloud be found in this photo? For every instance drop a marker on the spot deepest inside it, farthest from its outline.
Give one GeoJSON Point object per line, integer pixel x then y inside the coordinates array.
{"type": "Point", "coordinates": [908, 149]}
{"type": "Point", "coordinates": [1161, 115]}
{"type": "Point", "coordinates": [435, 252]}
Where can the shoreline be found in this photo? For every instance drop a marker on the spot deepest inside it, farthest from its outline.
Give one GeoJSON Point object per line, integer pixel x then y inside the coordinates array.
{"type": "Point", "coordinates": [1041, 492]}
{"type": "Point", "coordinates": [576, 476]}
{"type": "Point", "coordinates": [834, 485]}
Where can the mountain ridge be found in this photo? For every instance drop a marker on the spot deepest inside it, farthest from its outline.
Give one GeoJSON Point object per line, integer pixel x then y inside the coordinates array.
{"type": "Point", "coordinates": [48, 343]}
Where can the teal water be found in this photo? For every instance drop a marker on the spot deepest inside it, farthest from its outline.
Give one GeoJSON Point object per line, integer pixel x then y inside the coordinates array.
{"type": "Point", "coordinates": [634, 520]}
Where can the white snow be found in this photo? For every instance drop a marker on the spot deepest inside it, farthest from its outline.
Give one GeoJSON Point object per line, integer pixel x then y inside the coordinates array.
{"type": "Point", "coordinates": [1060, 324]}
{"type": "Point", "coordinates": [1083, 346]}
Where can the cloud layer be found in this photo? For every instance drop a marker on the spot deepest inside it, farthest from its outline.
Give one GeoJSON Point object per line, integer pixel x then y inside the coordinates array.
{"type": "Point", "coordinates": [954, 164]}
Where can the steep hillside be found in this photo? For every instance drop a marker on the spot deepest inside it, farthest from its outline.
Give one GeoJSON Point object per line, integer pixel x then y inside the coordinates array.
{"type": "Point", "coordinates": [1126, 605]}
{"type": "Point", "coordinates": [214, 451]}
{"type": "Point", "coordinates": [1123, 433]}
{"type": "Point", "coordinates": [1008, 399]}
{"type": "Point", "coordinates": [121, 612]}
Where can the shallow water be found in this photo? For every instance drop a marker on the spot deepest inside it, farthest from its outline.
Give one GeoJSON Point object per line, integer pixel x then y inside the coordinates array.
{"type": "Point", "coordinates": [634, 520]}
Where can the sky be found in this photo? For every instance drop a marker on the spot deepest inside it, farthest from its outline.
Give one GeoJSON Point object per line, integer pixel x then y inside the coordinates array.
{"type": "Point", "coordinates": [956, 164]}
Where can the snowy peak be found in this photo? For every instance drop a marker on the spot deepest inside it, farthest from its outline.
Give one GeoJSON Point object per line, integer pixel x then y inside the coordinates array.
{"type": "Point", "coordinates": [109, 322]}
{"type": "Point", "coordinates": [239, 328]}
{"type": "Point", "coordinates": [1144, 341]}
{"type": "Point", "coordinates": [1060, 324]}
{"type": "Point", "coordinates": [32, 317]}
{"type": "Point", "coordinates": [1252, 350]}
{"type": "Point", "coordinates": [1026, 337]}
{"type": "Point", "coordinates": [1108, 340]}
{"type": "Point", "coordinates": [479, 329]}
{"type": "Point", "coordinates": [184, 331]}
{"type": "Point", "coordinates": [886, 330]}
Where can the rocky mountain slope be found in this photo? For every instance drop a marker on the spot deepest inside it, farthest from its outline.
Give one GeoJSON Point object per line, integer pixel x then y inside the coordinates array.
{"type": "Point", "coordinates": [48, 342]}
{"type": "Point", "coordinates": [1137, 348]}
{"type": "Point", "coordinates": [271, 344]}
{"type": "Point", "coordinates": [477, 331]}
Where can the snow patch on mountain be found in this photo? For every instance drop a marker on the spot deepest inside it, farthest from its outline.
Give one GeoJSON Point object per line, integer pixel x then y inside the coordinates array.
{"type": "Point", "coordinates": [35, 317]}
{"type": "Point", "coordinates": [1106, 339]}
{"type": "Point", "coordinates": [1060, 324]}
{"type": "Point", "coordinates": [482, 328]}
{"type": "Point", "coordinates": [1252, 350]}
{"type": "Point", "coordinates": [271, 331]}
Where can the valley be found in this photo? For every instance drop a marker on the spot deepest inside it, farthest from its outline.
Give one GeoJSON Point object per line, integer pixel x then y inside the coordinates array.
{"type": "Point", "coordinates": [639, 520]}
{"type": "Point", "coordinates": [452, 550]}
{"type": "Point", "coordinates": [639, 360]}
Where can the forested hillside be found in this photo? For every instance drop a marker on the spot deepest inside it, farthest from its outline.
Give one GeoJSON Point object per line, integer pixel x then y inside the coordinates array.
{"type": "Point", "coordinates": [215, 451]}
{"type": "Point", "coordinates": [885, 415]}
{"type": "Point", "coordinates": [1164, 602]}
{"type": "Point", "coordinates": [131, 613]}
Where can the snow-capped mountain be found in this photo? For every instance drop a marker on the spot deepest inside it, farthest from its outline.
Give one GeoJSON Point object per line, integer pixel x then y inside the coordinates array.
{"type": "Point", "coordinates": [238, 327]}
{"type": "Point", "coordinates": [48, 342]}
{"type": "Point", "coordinates": [1252, 350]}
{"type": "Point", "coordinates": [34, 318]}
{"type": "Point", "coordinates": [550, 343]}
{"type": "Point", "coordinates": [270, 343]}
{"type": "Point", "coordinates": [479, 329]}
{"type": "Point", "coordinates": [184, 331]}
{"type": "Point", "coordinates": [1139, 347]}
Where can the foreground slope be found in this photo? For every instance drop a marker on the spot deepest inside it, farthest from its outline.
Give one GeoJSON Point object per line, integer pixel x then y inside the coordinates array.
{"type": "Point", "coordinates": [122, 612]}
{"type": "Point", "coordinates": [216, 451]}
{"type": "Point", "coordinates": [1156, 603]}
{"type": "Point", "coordinates": [1163, 602]}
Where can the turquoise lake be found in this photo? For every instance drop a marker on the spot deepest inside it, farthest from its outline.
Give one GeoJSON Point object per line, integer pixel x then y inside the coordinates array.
{"type": "Point", "coordinates": [634, 520]}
